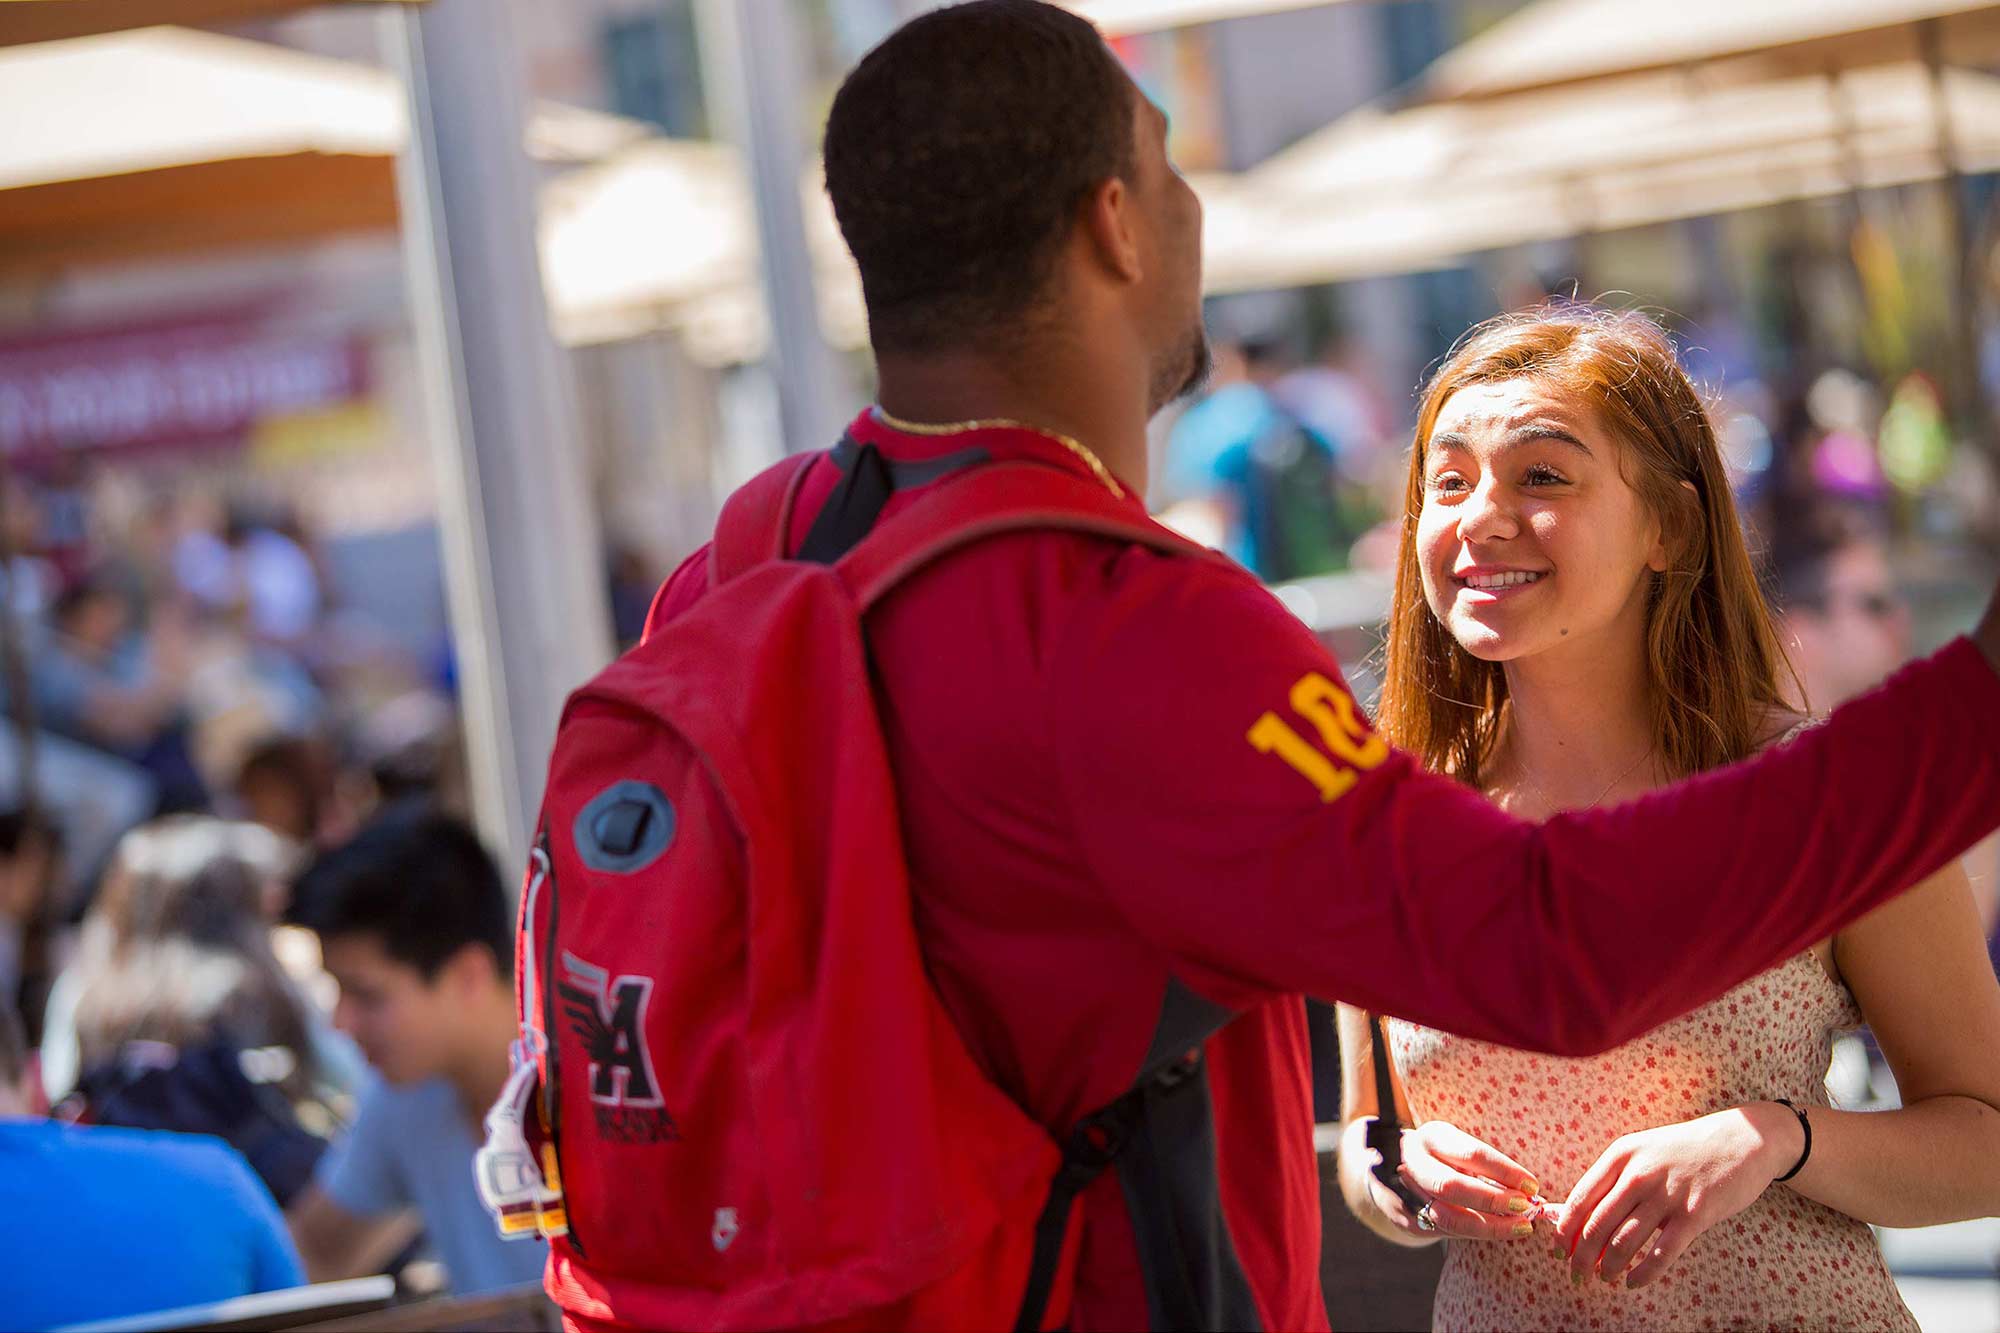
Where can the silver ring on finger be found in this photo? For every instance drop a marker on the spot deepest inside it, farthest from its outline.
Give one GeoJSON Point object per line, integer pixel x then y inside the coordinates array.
{"type": "Point", "coordinates": [1427, 1218]}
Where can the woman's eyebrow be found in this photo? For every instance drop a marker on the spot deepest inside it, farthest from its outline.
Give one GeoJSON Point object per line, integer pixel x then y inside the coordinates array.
{"type": "Point", "coordinates": [1543, 430]}
{"type": "Point", "coordinates": [1450, 440]}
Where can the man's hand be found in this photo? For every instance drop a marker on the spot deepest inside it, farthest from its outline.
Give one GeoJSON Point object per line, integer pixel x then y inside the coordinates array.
{"type": "Point", "coordinates": [1987, 636]}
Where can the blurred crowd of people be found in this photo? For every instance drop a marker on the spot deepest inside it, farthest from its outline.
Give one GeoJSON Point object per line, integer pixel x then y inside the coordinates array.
{"type": "Point", "coordinates": [169, 651]}
{"type": "Point", "coordinates": [201, 755]}
{"type": "Point", "coordinates": [317, 1030]}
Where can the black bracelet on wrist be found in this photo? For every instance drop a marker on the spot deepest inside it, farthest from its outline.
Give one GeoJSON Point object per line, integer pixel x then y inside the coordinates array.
{"type": "Point", "coordinates": [1805, 1125]}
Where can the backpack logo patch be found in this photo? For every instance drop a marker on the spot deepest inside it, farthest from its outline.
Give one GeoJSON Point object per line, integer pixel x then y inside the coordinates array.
{"type": "Point", "coordinates": [608, 1015]}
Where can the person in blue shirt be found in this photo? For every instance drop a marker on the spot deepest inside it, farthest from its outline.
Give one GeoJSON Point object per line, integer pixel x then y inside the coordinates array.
{"type": "Point", "coordinates": [124, 1221]}
{"type": "Point", "coordinates": [414, 925]}
{"type": "Point", "coordinates": [1254, 478]}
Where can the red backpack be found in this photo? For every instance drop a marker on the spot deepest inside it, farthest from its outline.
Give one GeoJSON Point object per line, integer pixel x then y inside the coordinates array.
{"type": "Point", "coordinates": [754, 1111]}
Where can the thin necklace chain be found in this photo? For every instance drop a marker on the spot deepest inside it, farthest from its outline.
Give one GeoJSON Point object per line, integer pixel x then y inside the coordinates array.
{"type": "Point", "coordinates": [1076, 447]}
{"type": "Point", "coordinates": [1644, 755]}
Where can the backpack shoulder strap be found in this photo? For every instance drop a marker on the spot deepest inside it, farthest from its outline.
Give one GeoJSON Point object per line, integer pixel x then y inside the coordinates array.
{"type": "Point", "coordinates": [754, 520]}
{"type": "Point", "coordinates": [988, 501]}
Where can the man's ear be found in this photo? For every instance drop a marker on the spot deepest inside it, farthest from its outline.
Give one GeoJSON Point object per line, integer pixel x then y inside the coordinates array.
{"type": "Point", "coordinates": [1107, 225]}
{"type": "Point", "coordinates": [471, 970]}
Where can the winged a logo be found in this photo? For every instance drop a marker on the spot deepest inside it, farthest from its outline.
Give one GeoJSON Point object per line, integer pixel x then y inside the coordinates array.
{"type": "Point", "coordinates": [609, 1016]}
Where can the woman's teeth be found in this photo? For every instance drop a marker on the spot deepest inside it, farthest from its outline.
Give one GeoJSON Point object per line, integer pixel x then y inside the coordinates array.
{"type": "Point", "coordinates": [1512, 579]}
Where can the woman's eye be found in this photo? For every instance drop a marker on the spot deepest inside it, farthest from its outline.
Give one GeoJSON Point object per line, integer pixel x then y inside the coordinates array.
{"type": "Point", "coordinates": [1543, 475]}
{"type": "Point", "coordinates": [1448, 484]}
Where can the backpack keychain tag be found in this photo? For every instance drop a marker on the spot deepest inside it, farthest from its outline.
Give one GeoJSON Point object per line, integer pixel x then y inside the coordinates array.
{"type": "Point", "coordinates": [520, 1188]}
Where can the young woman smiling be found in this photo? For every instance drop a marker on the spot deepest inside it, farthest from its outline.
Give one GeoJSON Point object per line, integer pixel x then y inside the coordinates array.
{"type": "Point", "coordinates": [1576, 621]}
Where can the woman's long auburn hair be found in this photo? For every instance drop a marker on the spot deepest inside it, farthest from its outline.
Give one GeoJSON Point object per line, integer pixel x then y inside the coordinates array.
{"type": "Point", "coordinates": [1716, 666]}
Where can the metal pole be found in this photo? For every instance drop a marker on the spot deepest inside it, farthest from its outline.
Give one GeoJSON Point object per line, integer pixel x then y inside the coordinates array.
{"type": "Point", "coordinates": [522, 555]}
{"type": "Point", "coordinates": [754, 69]}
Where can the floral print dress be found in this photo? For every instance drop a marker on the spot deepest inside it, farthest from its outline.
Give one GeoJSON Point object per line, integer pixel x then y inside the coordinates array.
{"type": "Point", "coordinates": [1785, 1262]}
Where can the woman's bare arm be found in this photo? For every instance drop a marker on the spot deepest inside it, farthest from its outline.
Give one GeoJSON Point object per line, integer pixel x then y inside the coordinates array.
{"type": "Point", "coordinates": [1357, 1107]}
{"type": "Point", "coordinates": [1920, 971]}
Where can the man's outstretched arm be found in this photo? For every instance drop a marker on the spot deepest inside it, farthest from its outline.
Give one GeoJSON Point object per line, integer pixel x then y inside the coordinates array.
{"type": "Point", "coordinates": [1235, 804]}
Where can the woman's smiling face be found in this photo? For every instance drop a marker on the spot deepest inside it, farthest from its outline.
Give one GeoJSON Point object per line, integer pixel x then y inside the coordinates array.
{"type": "Point", "coordinates": [1529, 535]}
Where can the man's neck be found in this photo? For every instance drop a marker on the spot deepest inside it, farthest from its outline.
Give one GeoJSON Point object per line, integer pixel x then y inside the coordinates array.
{"type": "Point", "coordinates": [1067, 398]}
{"type": "Point", "coordinates": [481, 1071]}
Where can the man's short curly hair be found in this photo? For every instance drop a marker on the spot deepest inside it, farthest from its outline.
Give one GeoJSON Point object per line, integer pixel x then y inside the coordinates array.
{"type": "Point", "coordinates": [957, 152]}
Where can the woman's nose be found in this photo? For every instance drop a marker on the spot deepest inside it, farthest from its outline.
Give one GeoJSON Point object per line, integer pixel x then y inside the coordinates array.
{"type": "Point", "coordinates": [1485, 516]}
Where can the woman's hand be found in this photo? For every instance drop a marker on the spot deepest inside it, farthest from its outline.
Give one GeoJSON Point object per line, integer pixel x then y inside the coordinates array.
{"type": "Point", "coordinates": [1677, 1180]}
{"type": "Point", "coordinates": [1459, 1177]}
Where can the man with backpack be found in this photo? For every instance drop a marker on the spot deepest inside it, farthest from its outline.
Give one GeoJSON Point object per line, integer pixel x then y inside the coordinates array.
{"type": "Point", "coordinates": [948, 974]}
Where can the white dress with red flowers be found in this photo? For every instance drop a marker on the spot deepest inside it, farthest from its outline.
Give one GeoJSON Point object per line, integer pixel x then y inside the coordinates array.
{"type": "Point", "coordinates": [1785, 1262]}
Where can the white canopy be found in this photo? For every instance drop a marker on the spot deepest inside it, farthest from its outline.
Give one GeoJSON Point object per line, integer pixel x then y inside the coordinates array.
{"type": "Point", "coordinates": [167, 139]}
{"type": "Point", "coordinates": [1558, 42]}
{"type": "Point", "coordinates": [1385, 191]}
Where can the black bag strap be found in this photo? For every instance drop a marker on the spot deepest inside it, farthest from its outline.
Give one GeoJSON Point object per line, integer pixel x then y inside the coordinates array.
{"type": "Point", "coordinates": [1385, 1131]}
{"type": "Point", "coordinates": [850, 512]}
{"type": "Point", "coordinates": [1092, 1147]}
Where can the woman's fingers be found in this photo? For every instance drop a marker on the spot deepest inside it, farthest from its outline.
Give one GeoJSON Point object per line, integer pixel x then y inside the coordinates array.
{"type": "Point", "coordinates": [1472, 1224]}
{"type": "Point", "coordinates": [1454, 1180]}
{"type": "Point", "coordinates": [1581, 1205]}
{"type": "Point", "coordinates": [1666, 1249]}
{"type": "Point", "coordinates": [1447, 1219]}
{"type": "Point", "coordinates": [1594, 1236]}
{"type": "Point", "coordinates": [1474, 1157]}
{"type": "Point", "coordinates": [1443, 1186]}
{"type": "Point", "coordinates": [1628, 1239]}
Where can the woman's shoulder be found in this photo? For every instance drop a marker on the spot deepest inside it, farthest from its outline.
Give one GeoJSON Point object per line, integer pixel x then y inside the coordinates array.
{"type": "Point", "coordinates": [1782, 723]}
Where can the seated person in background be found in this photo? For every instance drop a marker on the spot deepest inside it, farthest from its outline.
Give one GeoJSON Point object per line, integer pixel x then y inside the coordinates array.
{"type": "Point", "coordinates": [177, 1014]}
{"type": "Point", "coordinates": [414, 925]}
{"type": "Point", "coordinates": [286, 783]}
{"type": "Point", "coordinates": [126, 1221]}
{"type": "Point", "coordinates": [98, 683]}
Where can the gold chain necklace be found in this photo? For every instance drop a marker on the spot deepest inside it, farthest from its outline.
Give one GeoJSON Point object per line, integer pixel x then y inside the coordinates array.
{"type": "Point", "coordinates": [1089, 459]}
{"type": "Point", "coordinates": [1537, 787]}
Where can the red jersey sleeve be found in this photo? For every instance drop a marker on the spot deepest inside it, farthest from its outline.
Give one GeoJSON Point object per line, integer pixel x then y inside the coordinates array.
{"type": "Point", "coordinates": [1237, 807]}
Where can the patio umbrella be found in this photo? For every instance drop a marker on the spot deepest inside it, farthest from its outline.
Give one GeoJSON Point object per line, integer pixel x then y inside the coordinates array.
{"type": "Point", "coordinates": [1120, 18]}
{"type": "Point", "coordinates": [662, 236]}
{"type": "Point", "coordinates": [168, 139]}
{"type": "Point", "coordinates": [55, 20]}
{"type": "Point", "coordinates": [1382, 191]}
{"type": "Point", "coordinates": [1559, 42]}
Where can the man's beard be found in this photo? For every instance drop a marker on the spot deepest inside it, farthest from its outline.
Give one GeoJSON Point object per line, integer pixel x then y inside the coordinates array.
{"type": "Point", "coordinates": [1182, 374]}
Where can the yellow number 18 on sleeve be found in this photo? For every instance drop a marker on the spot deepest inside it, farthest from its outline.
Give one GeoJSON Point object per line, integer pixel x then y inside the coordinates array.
{"type": "Point", "coordinates": [1352, 746]}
